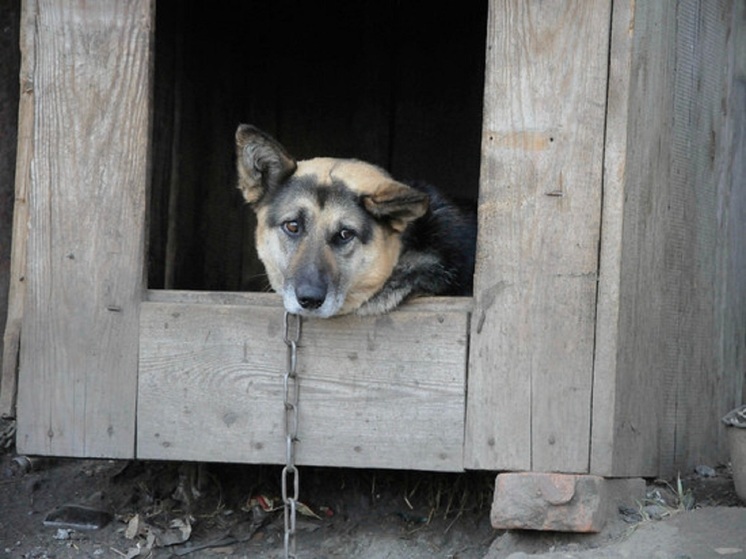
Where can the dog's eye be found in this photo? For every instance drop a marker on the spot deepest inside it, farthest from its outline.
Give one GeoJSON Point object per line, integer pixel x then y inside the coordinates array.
{"type": "Point", "coordinates": [291, 227]}
{"type": "Point", "coordinates": [345, 235]}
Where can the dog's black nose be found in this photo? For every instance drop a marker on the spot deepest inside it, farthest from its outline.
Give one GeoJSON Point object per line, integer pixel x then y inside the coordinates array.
{"type": "Point", "coordinates": [311, 288]}
{"type": "Point", "coordinates": [310, 303]}
{"type": "Point", "coordinates": [311, 297]}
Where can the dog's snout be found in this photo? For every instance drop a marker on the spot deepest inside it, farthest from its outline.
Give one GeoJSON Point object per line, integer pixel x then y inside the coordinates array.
{"type": "Point", "coordinates": [311, 297]}
{"type": "Point", "coordinates": [310, 290]}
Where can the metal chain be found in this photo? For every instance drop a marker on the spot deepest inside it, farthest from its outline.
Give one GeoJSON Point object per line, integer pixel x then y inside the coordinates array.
{"type": "Point", "coordinates": [290, 476]}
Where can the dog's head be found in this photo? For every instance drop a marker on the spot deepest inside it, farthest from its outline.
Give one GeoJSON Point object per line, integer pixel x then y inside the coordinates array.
{"type": "Point", "coordinates": [329, 230]}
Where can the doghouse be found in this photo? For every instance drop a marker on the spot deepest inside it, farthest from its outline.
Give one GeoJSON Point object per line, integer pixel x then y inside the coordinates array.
{"type": "Point", "coordinates": [601, 142]}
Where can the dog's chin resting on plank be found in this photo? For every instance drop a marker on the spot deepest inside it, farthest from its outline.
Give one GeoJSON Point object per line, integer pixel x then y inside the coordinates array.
{"type": "Point", "coordinates": [339, 236]}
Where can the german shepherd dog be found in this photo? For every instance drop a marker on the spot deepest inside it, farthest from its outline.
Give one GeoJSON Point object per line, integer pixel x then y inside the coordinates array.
{"type": "Point", "coordinates": [338, 236]}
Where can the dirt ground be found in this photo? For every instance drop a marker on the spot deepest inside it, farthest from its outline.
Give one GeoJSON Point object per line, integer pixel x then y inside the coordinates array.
{"type": "Point", "coordinates": [49, 507]}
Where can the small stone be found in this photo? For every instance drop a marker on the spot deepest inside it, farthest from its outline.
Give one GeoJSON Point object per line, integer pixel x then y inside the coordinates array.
{"type": "Point", "coordinates": [705, 471]}
{"type": "Point", "coordinates": [630, 515]}
{"type": "Point", "coordinates": [62, 534]}
{"type": "Point", "coordinates": [655, 512]}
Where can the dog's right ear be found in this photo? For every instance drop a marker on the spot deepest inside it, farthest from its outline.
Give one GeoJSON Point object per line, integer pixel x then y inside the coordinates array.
{"type": "Point", "coordinates": [262, 162]}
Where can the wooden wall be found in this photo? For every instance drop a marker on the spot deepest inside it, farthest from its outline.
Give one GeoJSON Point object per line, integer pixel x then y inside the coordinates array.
{"type": "Point", "coordinates": [607, 329]}
{"type": "Point", "coordinates": [671, 349]}
{"type": "Point", "coordinates": [609, 320]}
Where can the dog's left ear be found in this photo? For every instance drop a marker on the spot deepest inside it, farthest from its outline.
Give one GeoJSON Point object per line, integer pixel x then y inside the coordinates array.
{"type": "Point", "coordinates": [397, 203]}
{"type": "Point", "coordinates": [262, 162]}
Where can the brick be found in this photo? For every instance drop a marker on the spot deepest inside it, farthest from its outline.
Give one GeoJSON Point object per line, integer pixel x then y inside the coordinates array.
{"type": "Point", "coordinates": [560, 502]}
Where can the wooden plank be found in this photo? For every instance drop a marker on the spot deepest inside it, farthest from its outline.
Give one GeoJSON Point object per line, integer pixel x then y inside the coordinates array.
{"type": "Point", "coordinates": [687, 315]}
{"type": "Point", "coordinates": [384, 392]}
{"type": "Point", "coordinates": [619, 111]}
{"type": "Point", "coordinates": [629, 399]}
{"type": "Point", "coordinates": [17, 285]}
{"type": "Point", "coordinates": [731, 296]}
{"type": "Point", "coordinates": [539, 217]}
{"type": "Point", "coordinates": [78, 364]}
{"type": "Point", "coordinates": [700, 162]}
{"type": "Point", "coordinates": [669, 360]}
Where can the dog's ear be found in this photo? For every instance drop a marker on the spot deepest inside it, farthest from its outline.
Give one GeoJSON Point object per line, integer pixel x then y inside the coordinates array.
{"type": "Point", "coordinates": [262, 162]}
{"type": "Point", "coordinates": [397, 203]}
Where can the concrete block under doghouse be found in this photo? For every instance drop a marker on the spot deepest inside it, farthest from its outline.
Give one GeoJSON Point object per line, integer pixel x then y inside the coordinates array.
{"type": "Point", "coordinates": [736, 422]}
{"type": "Point", "coordinates": [560, 502]}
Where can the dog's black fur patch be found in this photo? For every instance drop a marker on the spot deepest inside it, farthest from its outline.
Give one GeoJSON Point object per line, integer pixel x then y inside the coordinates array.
{"type": "Point", "coordinates": [438, 254]}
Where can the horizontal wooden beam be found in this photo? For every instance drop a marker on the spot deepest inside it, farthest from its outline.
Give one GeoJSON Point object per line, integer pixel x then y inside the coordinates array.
{"type": "Point", "coordinates": [384, 392]}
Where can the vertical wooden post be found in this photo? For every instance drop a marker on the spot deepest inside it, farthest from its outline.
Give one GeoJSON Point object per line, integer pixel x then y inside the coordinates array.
{"type": "Point", "coordinates": [530, 373]}
{"type": "Point", "coordinates": [86, 239]}
{"type": "Point", "coordinates": [17, 285]}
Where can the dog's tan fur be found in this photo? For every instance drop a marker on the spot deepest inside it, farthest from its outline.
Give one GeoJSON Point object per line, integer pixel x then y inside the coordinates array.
{"type": "Point", "coordinates": [368, 271]}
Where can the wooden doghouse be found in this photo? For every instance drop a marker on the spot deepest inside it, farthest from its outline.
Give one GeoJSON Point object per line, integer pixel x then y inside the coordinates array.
{"type": "Point", "coordinates": [602, 143]}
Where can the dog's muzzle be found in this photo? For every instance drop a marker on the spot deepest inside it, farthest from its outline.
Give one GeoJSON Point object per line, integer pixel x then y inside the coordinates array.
{"type": "Point", "coordinates": [312, 295]}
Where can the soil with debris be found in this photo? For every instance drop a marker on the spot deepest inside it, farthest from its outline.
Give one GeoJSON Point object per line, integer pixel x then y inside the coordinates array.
{"type": "Point", "coordinates": [51, 507]}
{"type": "Point", "coordinates": [64, 508]}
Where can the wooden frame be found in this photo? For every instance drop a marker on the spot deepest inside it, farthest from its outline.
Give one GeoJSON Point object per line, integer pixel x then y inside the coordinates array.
{"type": "Point", "coordinates": [575, 355]}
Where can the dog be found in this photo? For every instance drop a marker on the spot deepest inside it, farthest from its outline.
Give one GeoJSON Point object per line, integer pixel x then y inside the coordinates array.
{"type": "Point", "coordinates": [340, 236]}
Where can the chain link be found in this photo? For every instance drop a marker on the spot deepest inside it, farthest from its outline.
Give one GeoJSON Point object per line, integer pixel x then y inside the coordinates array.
{"type": "Point", "coordinates": [290, 476]}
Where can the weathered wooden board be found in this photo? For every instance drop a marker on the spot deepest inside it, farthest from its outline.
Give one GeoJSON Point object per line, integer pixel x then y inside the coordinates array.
{"type": "Point", "coordinates": [732, 250]}
{"type": "Point", "coordinates": [16, 284]}
{"type": "Point", "coordinates": [383, 392]}
{"type": "Point", "coordinates": [91, 114]}
{"type": "Point", "coordinates": [631, 419]}
{"type": "Point", "coordinates": [606, 361]}
{"type": "Point", "coordinates": [672, 311]}
{"type": "Point", "coordinates": [530, 374]}
{"type": "Point", "coordinates": [697, 246]}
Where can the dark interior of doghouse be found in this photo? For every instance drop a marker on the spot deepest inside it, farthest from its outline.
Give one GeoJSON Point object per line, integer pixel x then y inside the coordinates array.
{"type": "Point", "coordinates": [396, 83]}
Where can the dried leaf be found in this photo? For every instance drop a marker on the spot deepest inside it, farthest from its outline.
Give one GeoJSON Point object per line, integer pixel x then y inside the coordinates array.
{"type": "Point", "coordinates": [133, 528]}
{"type": "Point", "coordinates": [305, 510]}
{"type": "Point", "coordinates": [178, 531]}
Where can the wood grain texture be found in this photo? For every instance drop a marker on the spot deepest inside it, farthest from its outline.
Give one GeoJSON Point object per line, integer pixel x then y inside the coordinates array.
{"type": "Point", "coordinates": [531, 358]}
{"type": "Point", "coordinates": [91, 112]}
{"type": "Point", "coordinates": [731, 299]}
{"type": "Point", "coordinates": [646, 387]}
{"type": "Point", "coordinates": [17, 285]}
{"type": "Point", "coordinates": [671, 320]}
{"type": "Point", "coordinates": [606, 360]}
{"type": "Point", "coordinates": [695, 244]}
{"type": "Point", "coordinates": [383, 392]}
